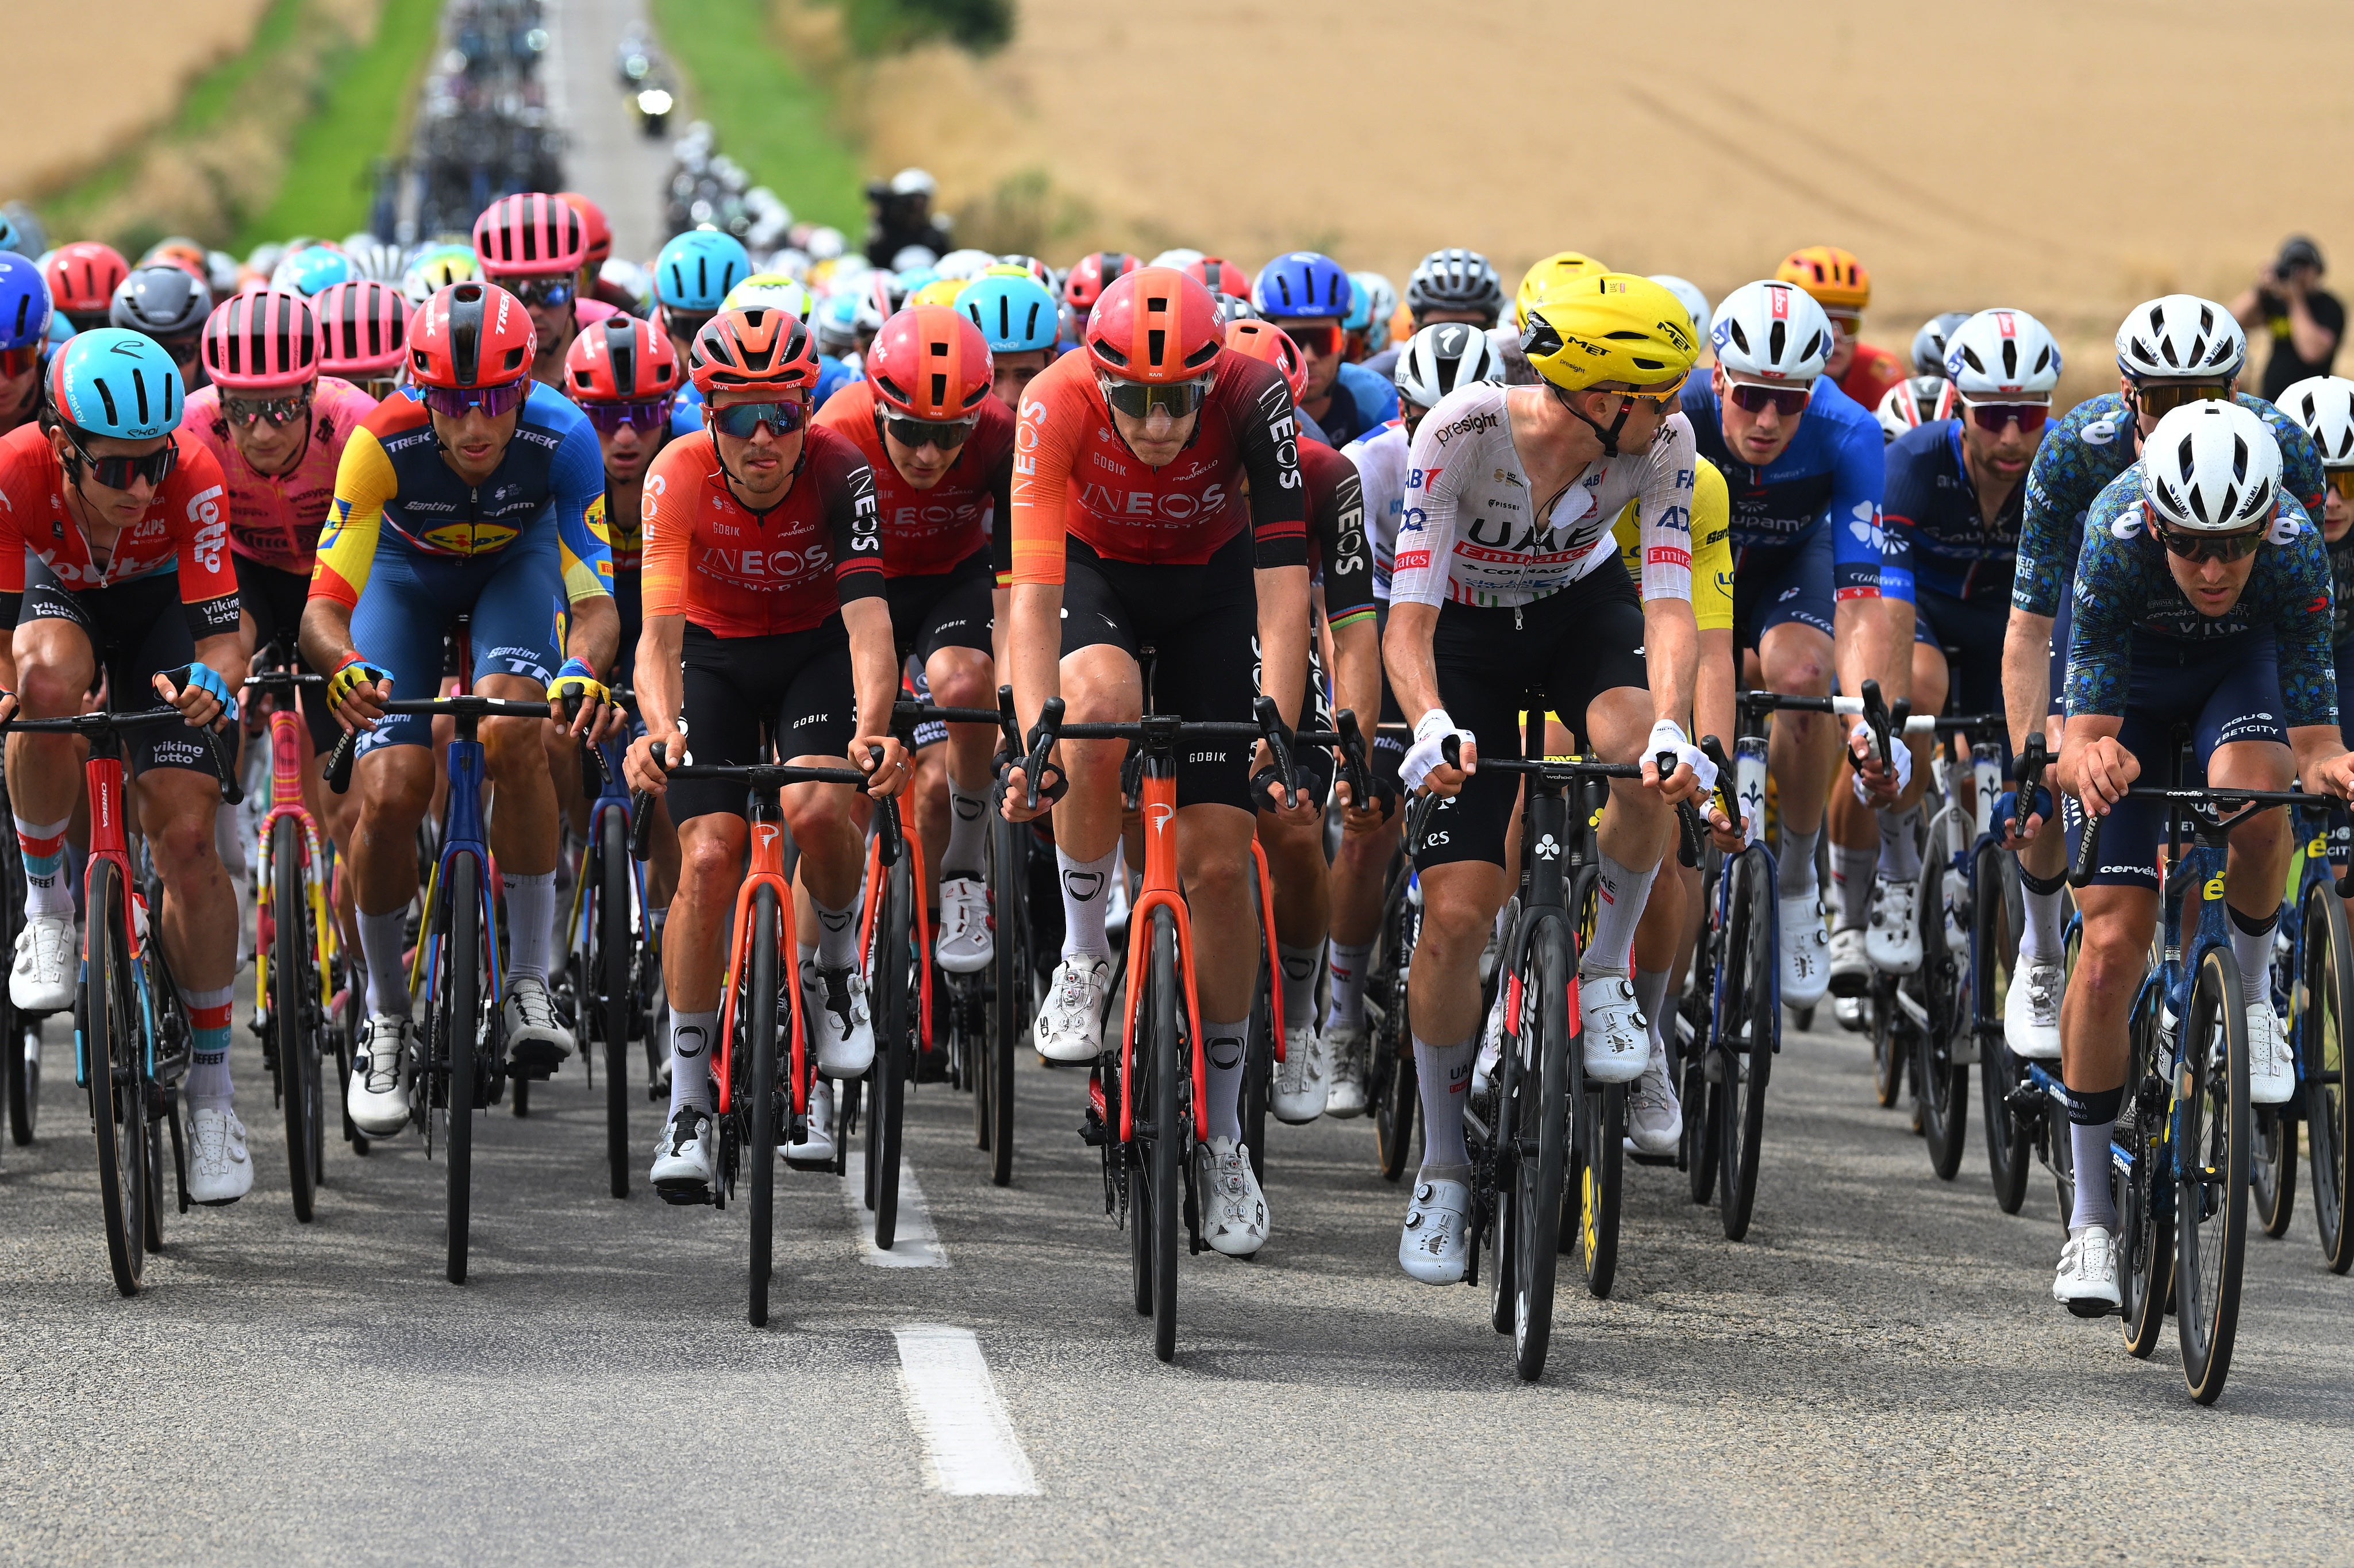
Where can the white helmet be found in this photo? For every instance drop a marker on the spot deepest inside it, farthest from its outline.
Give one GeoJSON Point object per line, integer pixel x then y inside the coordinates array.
{"type": "Point", "coordinates": [1929, 342]}
{"type": "Point", "coordinates": [773, 292]}
{"type": "Point", "coordinates": [1914, 402]}
{"type": "Point", "coordinates": [373, 259]}
{"type": "Point", "coordinates": [1693, 299]}
{"type": "Point", "coordinates": [825, 243]}
{"type": "Point", "coordinates": [2324, 405]}
{"type": "Point", "coordinates": [2212, 467]}
{"type": "Point", "coordinates": [2181, 335]}
{"type": "Point", "coordinates": [964, 265]}
{"type": "Point", "coordinates": [908, 258]}
{"type": "Point", "coordinates": [1440, 358]}
{"type": "Point", "coordinates": [1380, 304]}
{"type": "Point", "coordinates": [1773, 331]}
{"type": "Point", "coordinates": [1181, 257]}
{"type": "Point", "coordinates": [2003, 353]}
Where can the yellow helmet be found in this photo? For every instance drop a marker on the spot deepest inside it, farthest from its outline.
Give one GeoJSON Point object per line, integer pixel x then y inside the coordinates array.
{"type": "Point", "coordinates": [1617, 328]}
{"type": "Point", "coordinates": [1561, 267]}
{"type": "Point", "coordinates": [943, 293]}
{"type": "Point", "coordinates": [1833, 276]}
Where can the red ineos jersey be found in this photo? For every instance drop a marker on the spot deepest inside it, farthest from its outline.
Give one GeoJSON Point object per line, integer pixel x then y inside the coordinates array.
{"type": "Point", "coordinates": [925, 532]}
{"type": "Point", "coordinates": [1074, 478]}
{"type": "Point", "coordinates": [1336, 537]}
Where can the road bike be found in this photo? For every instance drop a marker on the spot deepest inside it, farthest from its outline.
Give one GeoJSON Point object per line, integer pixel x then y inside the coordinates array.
{"type": "Point", "coordinates": [2313, 987]}
{"type": "Point", "coordinates": [610, 964]}
{"type": "Point", "coordinates": [20, 1032]}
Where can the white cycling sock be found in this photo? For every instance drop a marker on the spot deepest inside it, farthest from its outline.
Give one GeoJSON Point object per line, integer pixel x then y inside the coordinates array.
{"type": "Point", "coordinates": [1347, 967]}
{"type": "Point", "coordinates": [692, 1035]}
{"type": "Point", "coordinates": [2254, 949]}
{"type": "Point", "coordinates": [1795, 867]}
{"type": "Point", "coordinates": [2096, 1204]}
{"type": "Point", "coordinates": [381, 944]}
{"type": "Point", "coordinates": [2043, 933]}
{"type": "Point", "coordinates": [1852, 871]}
{"type": "Point", "coordinates": [1300, 966]}
{"type": "Point", "coordinates": [531, 924]}
{"type": "Point", "coordinates": [837, 934]}
{"type": "Point", "coordinates": [1900, 849]}
{"type": "Point", "coordinates": [1223, 1047]}
{"type": "Point", "coordinates": [1618, 894]}
{"type": "Point", "coordinates": [1443, 1074]}
{"type": "Point", "coordinates": [968, 833]}
{"type": "Point", "coordinates": [42, 847]}
{"type": "Point", "coordinates": [1084, 883]}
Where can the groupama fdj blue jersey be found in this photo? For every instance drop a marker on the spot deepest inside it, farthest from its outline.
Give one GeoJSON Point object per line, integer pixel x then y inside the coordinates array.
{"type": "Point", "coordinates": [1830, 476]}
{"type": "Point", "coordinates": [1936, 529]}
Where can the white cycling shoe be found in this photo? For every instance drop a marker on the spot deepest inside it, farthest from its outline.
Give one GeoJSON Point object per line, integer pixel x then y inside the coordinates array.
{"type": "Point", "coordinates": [2031, 1013]}
{"type": "Point", "coordinates": [1302, 1085]}
{"type": "Point", "coordinates": [1850, 965]}
{"type": "Point", "coordinates": [1348, 1048]}
{"type": "Point", "coordinates": [683, 1156]}
{"type": "Point", "coordinates": [219, 1169]}
{"type": "Point", "coordinates": [1806, 950]}
{"type": "Point", "coordinates": [1893, 940]}
{"type": "Point", "coordinates": [41, 978]}
{"type": "Point", "coordinates": [815, 1151]}
{"type": "Point", "coordinates": [967, 938]}
{"type": "Point", "coordinates": [1655, 1118]}
{"type": "Point", "coordinates": [1234, 1209]}
{"type": "Point", "coordinates": [1070, 1020]}
{"type": "Point", "coordinates": [537, 1042]}
{"type": "Point", "coordinates": [2087, 1281]}
{"type": "Point", "coordinates": [2271, 1070]}
{"type": "Point", "coordinates": [378, 1097]}
{"type": "Point", "coordinates": [833, 1010]}
{"type": "Point", "coordinates": [1617, 1035]}
{"type": "Point", "coordinates": [1436, 1245]}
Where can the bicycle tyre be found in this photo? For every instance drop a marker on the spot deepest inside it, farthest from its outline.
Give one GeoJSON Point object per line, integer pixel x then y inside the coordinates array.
{"type": "Point", "coordinates": [754, 1097]}
{"type": "Point", "coordinates": [1994, 945]}
{"type": "Point", "coordinates": [894, 1023]}
{"type": "Point", "coordinates": [1258, 1082]}
{"type": "Point", "coordinates": [1397, 1090]}
{"type": "Point", "coordinates": [616, 1000]}
{"type": "Point", "coordinates": [1945, 1084]}
{"type": "Point", "coordinates": [1888, 1056]}
{"type": "Point", "coordinates": [1537, 1183]}
{"type": "Point", "coordinates": [117, 1071]}
{"type": "Point", "coordinates": [20, 1036]}
{"type": "Point", "coordinates": [1163, 1133]}
{"type": "Point", "coordinates": [1591, 1194]}
{"type": "Point", "coordinates": [2211, 1203]}
{"type": "Point", "coordinates": [293, 983]}
{"type": "Point", "coordinates": [458, 1025]}
{"type": "Point", "coordinates": [2144, 1202]}
{"type": "Point", "coordinates": [2272, 1168]}
{"type": "Point", "coordinates": [1748, 1044]}
{"type": "Point", "coordinates": [1010, 969]}
{"type": "Point", "coordinates": [2324, 1013]}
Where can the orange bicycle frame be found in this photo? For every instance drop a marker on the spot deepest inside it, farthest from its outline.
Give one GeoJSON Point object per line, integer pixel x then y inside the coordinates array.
{"type": "Point", "coordinates": [767, 871]}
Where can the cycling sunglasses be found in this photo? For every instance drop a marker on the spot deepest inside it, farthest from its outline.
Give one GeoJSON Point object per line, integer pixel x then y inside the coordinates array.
{"type": "Point", "coordinates": [1992, 416]}
{"type": "Point", "coordinates": [117, 472]}
{"type": "Point", "coordinates": [2154, 401]}
{"type": "Point", "coordinates": [2341, 479]}
{"type": "Point", "coordinates": [277, 411]}
{"type": "Point", "coordinates": [1750, 397]}
{"type": "Point", "coordinates": [609, 418]}
{"type": "Point", "coordinates": [1660, 398]}
{"type": "Point", "coordinates": [1323, 341]}
{"type": "Point", "coordinates": [945, 434]}
{"type": "Point", "coordinates": [743, 420]}
{"type": "Point", "coordinates": [1849, 323]}
{"type": "Point", "coordinates": [16, 361]}
{"type": "Point", "coordinates": [2211, 546]}
{"type": "Point", "coordinates": [543, 290]}
{"type": "Point", "coordinates": [456, 402]}
{"type": "Point", "coordinates": [1137, 399]}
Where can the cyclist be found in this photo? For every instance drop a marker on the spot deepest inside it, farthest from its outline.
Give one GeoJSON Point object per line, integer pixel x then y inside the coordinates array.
{"type": "Point", "coordinates": [1084, 284]}
{"type": "Point", "coordinates": [2195, 603]}
{"type": "Point", "coordinates": [1841, 285]}
{"type": "Point", "coordinates": [82, 278]}
{"type": "Point", "coordinates": [778, 291]}
{"type": "Point", "coordinates": [1491, 598]}
{"type": "Point", "coordinates": [1805, 467]}
{"type": "Point", "coordinates": [1449, 285]}
{"type": "Point", "coordinates": [2170, 351]}
{"type": "Point", "coordinates": [114, 479]}
{"type": "Point", "coordinates": [598, 229]}
{"type": "Point", "coordinates": [941, 452]}
{"type": "Point", "coordinates": [767, 622]}
{"type": "Point", "coordinates": [363, 335]}
{"type": "Point", "coordinates": [691, 277]}
{"type": "Point", "coordinates": [167, 303]}
{"type": "Point", "coordinates": [487, 492]}
{"type": "Point", "coordinates": [1561, 267]}
{"type": "Point", "coordinates": [2323, 406]}
{"type": "Point", "coordinates": [1119, 544]}
{"type": "Point", "coordinates": [24, 339]}
{"type": "Point", "coordinates": [1308, 295]}
{"type": "Point", "coordinates": [533, 247]}
{"type": "Point", "coordinates": [1434, 361]}
{"type": "Point", "coordinates": [1017, 316]}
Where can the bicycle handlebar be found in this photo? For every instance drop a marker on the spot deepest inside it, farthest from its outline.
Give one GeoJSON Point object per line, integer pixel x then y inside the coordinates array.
{"type": "Point", "coordinates": [2248, 802]}
{"type": "Point", "coordinates": [2028, 774]}
{"type": "Point", "coordinates": [755, 775]}
{"type": "Point", "coordinates": [92, 725]}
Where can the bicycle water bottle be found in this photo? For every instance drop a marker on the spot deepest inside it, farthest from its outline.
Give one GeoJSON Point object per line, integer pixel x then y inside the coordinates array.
{"type": "Point", "coordinates": [1986, 769]}
{"type": "Point", "coordinates": [1749, 783]}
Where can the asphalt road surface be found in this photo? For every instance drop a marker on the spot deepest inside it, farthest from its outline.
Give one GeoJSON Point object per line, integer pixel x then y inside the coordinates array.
{"type": "Point", "coordinates": [605, 154]}
{"type": "Point", "coordinates": [1876, 1374]}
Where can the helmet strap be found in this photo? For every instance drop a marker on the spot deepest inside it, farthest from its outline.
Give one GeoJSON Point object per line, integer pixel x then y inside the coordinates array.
{"type": "Point", "coordinates": [1609, 438]}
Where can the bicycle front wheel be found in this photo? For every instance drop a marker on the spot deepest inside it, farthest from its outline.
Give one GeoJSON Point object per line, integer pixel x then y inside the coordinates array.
{"type": "Point", "coordinates": [1945, 996]}
{"type": "Point", "coordinates": [1010, 975]}
{"type": "Point", "coordinates": [610, 972]}
{"type": "Point", "coordinates": [293, 1007]}
{"type": "Point", "coordinates": [1394, 1088]}
{"type": "Point", "coordinates": [20, 1036]}
{"type": "Point", "coordinates": [755, 1095]}
{"type": "Point", "coordinates": [1746, 1042]}
{"type": "Point", "coordinates": [117, 1069]}
{"type": "Point", "coordinates": [1541, 1119]}
{"type": "Point", "coordinates": [2145, 1192]}
{"type": "Point", "coordinates": [1160, 1117]}
{"type": "Point", "coordinates": [459, 1019]}
{"type": "Point", "coordinates": [2212, 1175]}
{"type": "Point", "coordinates": [2325, 1012]}
{"type": "Point", "coordinates": [892, 971]}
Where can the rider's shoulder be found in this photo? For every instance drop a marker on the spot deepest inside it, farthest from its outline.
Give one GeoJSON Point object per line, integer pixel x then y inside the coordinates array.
{"type": "Point", "coordinates": [1064, 391]}
{"type": "Point", "coordinates": [1924, 447]}
{"type": "Point", "coordinates": [550, 411]}
{"type": "Point", "coordinates": [2115, 512]}
{"type": "Point", "coordinates": [341, 404]}
{"type": "Point", "coordinates": [1462, 417]}
{"type": "Point", "coordinates": [196, 473]}
{"type": "Point", "coordinates": [1832, 408]}
{"type": "Point", "coordinates": [683, 460]}
{"type": "Point", "coordinates": [398, 415]}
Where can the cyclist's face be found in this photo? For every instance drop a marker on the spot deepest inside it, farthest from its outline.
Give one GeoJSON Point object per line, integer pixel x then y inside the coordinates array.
{"type": "Point", "coordinates": [764, 461]}
{"type": "Point", "coordinates": [2145, 423]}
{"type": "Point", "coordinates": [2213, 586]}
{"type": "Point", "coordinates": [2336, 510]}
{"type": "Point", "coordinates": [1480, 319]}
{"type": "Point", "coordinates": [1756, 437]}
{"type": "Point", "coordinates": [1013, 375]}
{"type": "Point", "coordinates": [120, 507]}
{"type": "Point", "coordinates": [473, 442]}
{"type": "Point", "coordinates": [1312, 340]}
{"type": "Point", "coordinates": [1846, 327]}
{"type": "Point", "coordinates": [628, 451]}
{"type": "Point", "coordinates": [1158, 436]}
{"type": "Point", "coordinates": [2005, 455]}
{"type": "Point", "coordinates": [16, 391]}
{"type": "Point", "coordinates": [554, 325]}
{"type": "Point", "coordinates": [269, 447]}
{"type": "Point", "coordinates": [1644, 417]}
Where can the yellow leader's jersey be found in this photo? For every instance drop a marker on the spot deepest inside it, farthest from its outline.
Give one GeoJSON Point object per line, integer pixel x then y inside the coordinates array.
{"type": "Point", "coordinates": [1711, 550]}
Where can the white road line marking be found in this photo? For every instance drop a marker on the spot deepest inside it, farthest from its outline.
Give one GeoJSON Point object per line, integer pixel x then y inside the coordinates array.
{"type": "Point", "coordinates": [971, 1448]}
{"type": "Point", "coordinates": [915, 1245]}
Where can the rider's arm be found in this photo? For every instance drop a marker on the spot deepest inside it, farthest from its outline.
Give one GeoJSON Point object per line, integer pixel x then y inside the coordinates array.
{"type": "Point", "coordinates": [208, 598]}
{"type": "Point", "coordinates": [2026, 675]}
{"type": "Point", "coordinates": [578, 478]}
{"type": "Point", "coordinates": [1418, 571]}
{"type": "Point", "coordinates": [1039, 494]}
{"type": "Point", "coordinates": [15, 481]}
{"type": "Point", "coordinates": [1266, 433]}
{"type": "Point", "coordinates": [1349, 594]}
{"type": "Point", "coordinates": [662, 571]}
{"type": "Point", "coordinates": [1862, 628]}
{"type": "Point", "coordinates": [365, 483]}
{"type": "Point", "coordinates": [1664, 522]}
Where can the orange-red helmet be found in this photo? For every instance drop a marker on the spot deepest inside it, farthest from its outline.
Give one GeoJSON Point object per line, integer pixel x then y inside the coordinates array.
{"type": "Point", "coordinates": [1834, 277]}
{"type": "Point", "coordinates": [930, 361]}
{"type": "Point", "coordinates": [471, 334]}
{"type": "Point", "coordinates": [621, 359]}
{"type": "Point", "coordinates": [1155, 325]}
{"type": "Point", "coordinates": [762, 349]}
{"type": "Point", "coordinates": [1092, 274]}
{"type": "Point", "coordinates": [1220, 276]}
{"type": "Point", "coordinates": [1265, 340]}
{"type": "Point", "coordinates": [82, 276]}
{"type": "Point", "coordinates": [593, 222]}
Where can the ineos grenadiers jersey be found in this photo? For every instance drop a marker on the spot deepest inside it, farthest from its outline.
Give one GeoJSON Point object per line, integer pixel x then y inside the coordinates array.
{"type": "Point", "coordinates": [1831, 475]}
{"type": "Point", "coordinates": [1935, 527]}
{"type": "Point", "coordinates": [2092, 446]}
{"type": "Point", "coordinates": [926, 531]}
{"type": "Point", "coordinates": [2124, 590]}
{"type": "Point", "coordinates": [1473, 533]}
{"type": "Point", "coordinates": [1336, 534]}
{"type": "Point", "coordinates": [275, 518]}
{"type": "Point", "coordinates": [1381, 463]}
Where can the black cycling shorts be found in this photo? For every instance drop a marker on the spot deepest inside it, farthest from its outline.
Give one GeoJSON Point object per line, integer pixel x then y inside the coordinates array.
{"type": "Point", "coordinates": [945, 610]}
{"type": "Point", "coordinates": [1975, 627]}
{"type": "Point", "coordinates": [1203, 623]}
{"type": "Point", "coordinates": [1557, 654]}
{"type": "Point", "coordinates": [137, 629]}
{"type": "Point", "coordinates": [275, 600]}
{"type": "Point", "coordinates": [740, 691]}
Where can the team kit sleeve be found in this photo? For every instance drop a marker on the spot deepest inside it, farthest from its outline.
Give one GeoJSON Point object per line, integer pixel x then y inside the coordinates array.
{"type": "Point", "coordinates": [1266, 429]}
{"type": "Point", "coordinates": [666, 517]}
{"type": "Point", "coordinates": [365, 483]}
{"type": "Point", "coordinates": [856, 522]}
{"type": "Point", "coordinates": [21, 484]}
{"type": "Point", "coordinates": [1910, 478]}
{"type": "Point", "coordinates": [2057, 492]}
{"type": "Point", "coordinates": [1665, 512]}
{"type": "Point", "coordinates": [1340, 535]}
{"type": "Point", "coordinates": [200, 522]}
{"type": "Point", "coordinates": [578, 478]}
{"type": "Point", "coordinates": [2299, 599]}
{"type": "Point", "coordinates": [1039, 487]}
{"type": "Point", "coordinates": [2112, 585]}
{"type": "Point", "coordinates": [1859, 478]}
{"type": "Point", "coordinates": [1712, 563]}
{"type": "Point", "coordinates": [1433, 488]}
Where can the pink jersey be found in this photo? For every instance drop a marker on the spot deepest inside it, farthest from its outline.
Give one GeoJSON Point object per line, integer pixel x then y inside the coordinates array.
{"type": "Point", "coordinates": [275, 520]}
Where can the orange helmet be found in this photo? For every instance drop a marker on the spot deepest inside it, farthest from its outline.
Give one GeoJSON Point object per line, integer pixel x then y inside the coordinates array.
{"type": "Point", "coordinates": [1220, 276]}
{"type": "Point", "coordinates": [930, 363]}
{"type": "Point", "coordinates": [762, 349]}
{"type": "Point", "coordinates": [1833, 276]}
{"type": "Point", "coordinates": [1155, 325]}
{"type": "Point", "coordinates": [592, 219]}
{"type": "Point", "coordinates": [1092, 274]}
{"type": "Point", "coordinates": [1265, 340]}
{"type": "Point", "coordinates": [81, 276]}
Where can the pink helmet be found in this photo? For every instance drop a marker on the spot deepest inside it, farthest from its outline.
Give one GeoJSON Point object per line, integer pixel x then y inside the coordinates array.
{"type": "Point", "coordinates": [261, 339]}
{"type": "Point", "coordinates": [363, 329]}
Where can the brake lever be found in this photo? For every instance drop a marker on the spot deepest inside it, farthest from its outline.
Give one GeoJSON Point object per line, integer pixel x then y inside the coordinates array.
{"type": "Point", "coordinates": [1271, 729]}
{"type": "Point", "coordinates": [641, 813]}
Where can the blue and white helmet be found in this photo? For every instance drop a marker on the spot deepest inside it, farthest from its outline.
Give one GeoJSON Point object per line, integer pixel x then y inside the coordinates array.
{"type": "Point", "coordinates": [2003, 353]}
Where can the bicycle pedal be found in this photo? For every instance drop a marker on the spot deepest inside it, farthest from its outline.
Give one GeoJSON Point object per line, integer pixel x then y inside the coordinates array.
{"type": "Point", "coordinates": [1639, 1158]}
{"type": "Point", "coordinates": [686, 1197]}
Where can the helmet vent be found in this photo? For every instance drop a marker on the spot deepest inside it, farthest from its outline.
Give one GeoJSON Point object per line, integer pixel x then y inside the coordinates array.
{"type": "Point", "coordinates": [1776, 340]}
{"type": "Point", "coordinates": [1156, 346]}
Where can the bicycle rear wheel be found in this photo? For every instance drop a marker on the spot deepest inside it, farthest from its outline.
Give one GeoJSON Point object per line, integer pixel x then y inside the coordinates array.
{"type": "Point", "coordinates": [20, 1036]}
{"type": "Point", "coordinates": [753, 1095]}
{"type": "Point", "coordinates": [1945, 996]}
{"type": "Point", "coordinates": [293, 1007]}
{"type": "Point", "coordinates": [2324, 1013]}
{"type": "Point", "coordinates": [1160, 1129]}
{"type": "Point", "coordinates": [1541, 1119]}
{"type": "Point", "coordinates": [889, 971]}
{"type": "Point", "coordinates": [1994, 910]}
{"type": "Point", "coordinates": [1009, 1013]}
{"type": "Point", "coordinates": [1259, 1077]}
{"type": "Point", "coordinates": [458, 1024]}
{"type": "Point", "coordinates": [2212, 1194]}
{"type": "Point", "coordinates": [117, 1070]}
{"type": "Point", "coordinates": [1747, 1043]}
{"type": "Point", "coordinates": [610, 971]}
{"type": "Point", "coordinates": [1590, 1196]}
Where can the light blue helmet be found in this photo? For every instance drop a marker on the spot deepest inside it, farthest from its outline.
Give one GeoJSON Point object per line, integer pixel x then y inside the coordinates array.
{"type": "Point", "coordinates": [1015, 315]}
{"type": "Point", "coordinates": [696, 268]}
{"type": "Point", "coordinates": [311, 268]}
{"type": "Point", "coordinates": [110, 381]}
{"type": "Point", "coordinates": [24, 313]}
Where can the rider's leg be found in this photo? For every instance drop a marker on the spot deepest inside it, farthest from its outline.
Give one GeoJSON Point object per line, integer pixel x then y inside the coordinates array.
{"type": "Point", "coordinates": [962, 678]}
{"type": "Point", "coordinates": [2256, 865]}
{"type": "Point", "coordinates": [695, 954]}
{"type": "Point", "coordinates": [1459, 903]}
{"type": "Point", "coordinates": [1101, 685]}
{"type": "Point", "coordinates": [394, 785]}
{"type": "Point", "coordinates": [523, 828]}
{"type": "Point", "coordinates": [55, 667]}
{"type": "Point", "coordinates": [1359, 875]}
{"type": "Point", "coordinates": [2118, 920]}
{"type": "Point", "coordinates": [198, 922]}
{"type": "Point", "coordinates": [1214, 863]}
{"type": "Point", "coordinates": [1804, 748]}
